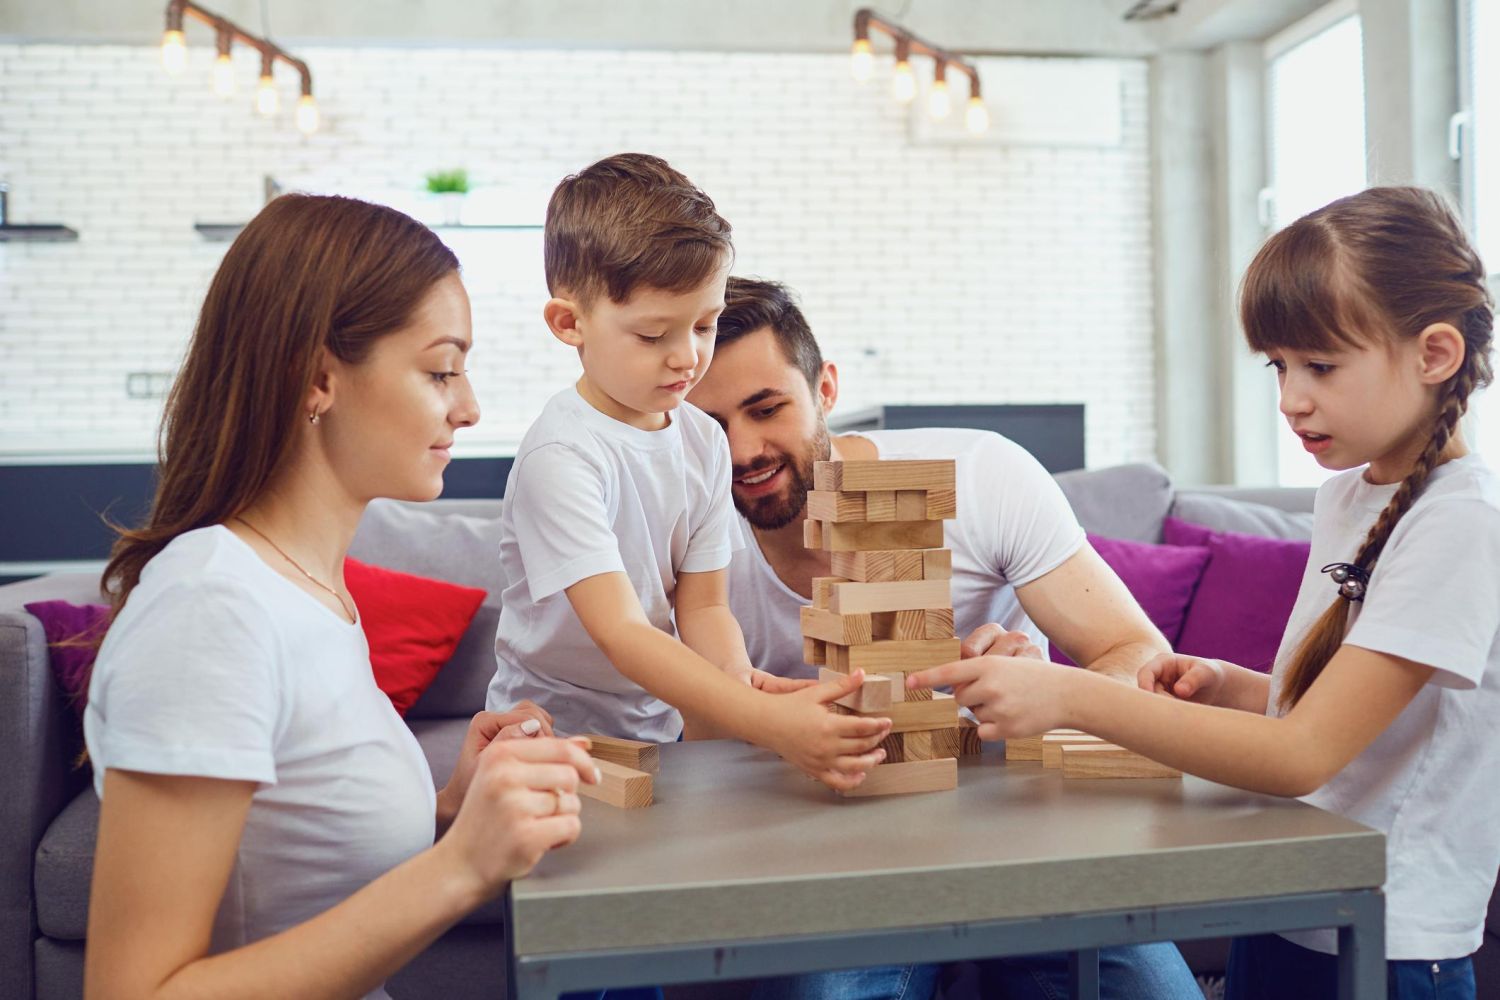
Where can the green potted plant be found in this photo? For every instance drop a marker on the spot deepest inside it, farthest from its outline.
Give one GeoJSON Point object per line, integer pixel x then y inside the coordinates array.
{"type": "Point", "coordinates": [449, 188]}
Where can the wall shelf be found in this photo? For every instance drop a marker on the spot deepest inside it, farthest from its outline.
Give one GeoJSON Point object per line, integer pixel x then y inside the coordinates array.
{"type": "Point", "coordinates": [13, 232]}
{"type": "Point", "coordinates": [224, 232]}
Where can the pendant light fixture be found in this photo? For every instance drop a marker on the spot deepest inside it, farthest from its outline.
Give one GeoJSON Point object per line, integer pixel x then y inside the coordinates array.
{"type": "Point", "coordinates": [904, 83]}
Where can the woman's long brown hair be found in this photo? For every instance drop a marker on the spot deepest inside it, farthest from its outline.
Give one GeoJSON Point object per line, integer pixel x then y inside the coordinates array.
{"type": "Point", "coordinates": [309, 272]}
{"type": "Point", "coordinates": [1381, 265]}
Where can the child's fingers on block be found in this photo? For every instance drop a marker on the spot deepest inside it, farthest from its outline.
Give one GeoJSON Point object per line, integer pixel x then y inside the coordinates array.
{"type": "Point", "coordinates": [957, 672]}
{"type": "Point", "coordinates": [861, 726]}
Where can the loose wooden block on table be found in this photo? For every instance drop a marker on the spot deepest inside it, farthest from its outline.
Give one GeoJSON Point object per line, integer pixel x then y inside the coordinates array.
{"type": "Point", "coordinates": [1030, 747]}
{"type": "Point", "coordinates": [824, 505]}
{"type": "Point", "coordinates": [1053, 743]}
{"type": "Point", "coordinates": [869, 536]}
{"type": "Point", "coordinates": [874, 694]}
{"type": "Point", "coordinates": [891, 565]}
{"type": "Point", "coordinates": [908, 776]}
{"type": "Point", "coordinates": [1105, 760]}
{"type": "Point", "coordinates": [937, 474]}
{"type": "Point", "coordinates": [634, 754]}
{"type": "Point", "coordinates": [619, 786]}
{"type": "Point", "coordinates": [846, 598]}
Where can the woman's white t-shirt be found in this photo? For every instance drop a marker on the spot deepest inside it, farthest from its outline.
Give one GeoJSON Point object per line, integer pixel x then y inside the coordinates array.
{"type": "Point", "coordinates": [219, 667]}
{"type": "Point", "coordinates": [1428, 780]}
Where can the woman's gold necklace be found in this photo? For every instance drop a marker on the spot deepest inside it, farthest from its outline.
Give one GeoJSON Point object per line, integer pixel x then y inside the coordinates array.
{"type": "Point", "coordinates": [298, 566]}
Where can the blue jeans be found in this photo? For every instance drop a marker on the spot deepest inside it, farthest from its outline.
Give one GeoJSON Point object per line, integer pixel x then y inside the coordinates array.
{"type": "Point", "coordinates": [1130, 972]}
{"type": "Point", "coordinates": [1269, 967]}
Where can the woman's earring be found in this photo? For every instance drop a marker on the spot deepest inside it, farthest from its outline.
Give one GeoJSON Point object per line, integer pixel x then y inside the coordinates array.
{"type": "Point", "coordinates": [312, 417]}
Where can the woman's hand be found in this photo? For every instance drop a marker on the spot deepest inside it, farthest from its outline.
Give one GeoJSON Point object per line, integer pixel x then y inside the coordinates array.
{"type": "Point", "coordinates": [524, 721]}
{"type": "Point", "coordinates": [1189, 678]}
{"type": "Point", "coordinates": [1010, 696]}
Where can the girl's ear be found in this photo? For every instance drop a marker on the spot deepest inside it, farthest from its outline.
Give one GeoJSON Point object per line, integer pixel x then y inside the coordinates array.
{"type": "Point", "coordinates": [1440, 353]}
{"type": "Point", "coordinates": [562, 319]}
{"type": "Point", "coordinates": [320, 395]}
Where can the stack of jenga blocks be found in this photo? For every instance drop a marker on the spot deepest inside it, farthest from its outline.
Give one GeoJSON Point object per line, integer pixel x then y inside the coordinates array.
{"type": "Point", "coordinates": [888, 610]}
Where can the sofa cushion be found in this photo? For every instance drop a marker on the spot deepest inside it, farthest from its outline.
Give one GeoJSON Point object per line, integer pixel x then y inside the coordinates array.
{"type": "Point", "coordinates": [1126, 501]}
{"type": "Point", "coordinates": [65, 867]}
{"type": "Point", "coordinates": [1221, 513]}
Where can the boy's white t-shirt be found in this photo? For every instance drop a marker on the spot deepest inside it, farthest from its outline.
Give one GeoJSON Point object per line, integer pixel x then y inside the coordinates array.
{"type": "Point", "coordinates": [587, 495]}
{"type": "Point", "coordinates": [1428, 780]}
{"type": "Point", "coordinates": [1014, 526]}
{"type": "Point", "coordinates": [219, 667]}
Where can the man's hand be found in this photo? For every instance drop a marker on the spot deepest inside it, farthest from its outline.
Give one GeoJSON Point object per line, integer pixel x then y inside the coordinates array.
{"type": "Point", "coordinates": [994, 640]}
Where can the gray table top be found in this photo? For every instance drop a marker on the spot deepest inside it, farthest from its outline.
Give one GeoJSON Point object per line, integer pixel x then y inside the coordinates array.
{"type": "Point", "coordinates": [739, 846]}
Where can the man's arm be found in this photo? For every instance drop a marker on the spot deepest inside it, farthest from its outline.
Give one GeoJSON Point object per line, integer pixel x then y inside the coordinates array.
{"type": "Point", "coordinates": [1084, 608]}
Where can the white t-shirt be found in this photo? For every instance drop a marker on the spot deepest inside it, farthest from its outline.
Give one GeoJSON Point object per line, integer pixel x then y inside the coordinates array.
{"type": "Point", "coordinates": [219, 667]}
{"type": "Point", "coordinates": [1014, 525]}
{"type": "Point", "coordinates": [1428, 781]}
{"type": "Point", "coordinates": [589, 494]}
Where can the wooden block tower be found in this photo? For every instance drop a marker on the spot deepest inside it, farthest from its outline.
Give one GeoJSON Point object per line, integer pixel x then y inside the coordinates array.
{"type": "Point", "coordinates": [888, 609]}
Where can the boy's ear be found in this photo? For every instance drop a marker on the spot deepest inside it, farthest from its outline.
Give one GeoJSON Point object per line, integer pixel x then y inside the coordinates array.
{"type": "Point", "coordinates": [562, 319]}
{"type": "Point", "coordinates": [1441, 352]}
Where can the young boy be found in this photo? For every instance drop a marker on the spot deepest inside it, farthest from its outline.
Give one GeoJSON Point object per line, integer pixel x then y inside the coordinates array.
{"type": "Point", "coordinates": [616, 532]}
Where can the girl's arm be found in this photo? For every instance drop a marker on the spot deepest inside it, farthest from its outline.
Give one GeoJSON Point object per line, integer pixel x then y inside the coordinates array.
{"type": "Point", "coordinates": [167, 846]}
{"type": "Point", "coordinates": [1208, 682]}
{"type": "Point", "coordinates": [1356, 697]}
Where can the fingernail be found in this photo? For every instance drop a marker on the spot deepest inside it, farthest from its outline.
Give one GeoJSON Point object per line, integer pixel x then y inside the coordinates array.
{"type": "Point", "coordinates": [598, 776]}
{"type": "Point", "coordinates": [531, 727]}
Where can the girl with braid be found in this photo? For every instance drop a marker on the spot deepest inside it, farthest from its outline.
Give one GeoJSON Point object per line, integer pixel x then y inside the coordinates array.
{"type": "Point", "coordinates": [1383, 702]}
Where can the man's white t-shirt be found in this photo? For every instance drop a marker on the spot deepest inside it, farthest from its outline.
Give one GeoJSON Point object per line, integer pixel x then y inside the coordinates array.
{"type": "Point", "coordinates": [1428, 780]}
{"type": "Point", "coordinates": [587, 495]}
{"type": "Point", "coordinates": [1014, 525]}
{"type": "Point", "coordinates": [220, 667]}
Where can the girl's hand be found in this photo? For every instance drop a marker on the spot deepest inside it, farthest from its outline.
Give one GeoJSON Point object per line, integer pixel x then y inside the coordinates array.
{"type": "Point", "coordinates": [522, 802]}
{"type": "Point", "coordinates": [835, 749]}
{"type": "Point", "coordinates": [773, 684]}
{"type": "Point", "coordinates": [525, 720]}
{"type": "Point", "coordinates": [1189, 678]}
{"type": "Point", "coordinates": [1010, 696]}
{"type": "Point", "coordinates": [994, 640]}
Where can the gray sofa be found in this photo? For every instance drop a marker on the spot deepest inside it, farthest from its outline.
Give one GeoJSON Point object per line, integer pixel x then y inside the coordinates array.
{"type": "Point", "coordinates": [48, 811]}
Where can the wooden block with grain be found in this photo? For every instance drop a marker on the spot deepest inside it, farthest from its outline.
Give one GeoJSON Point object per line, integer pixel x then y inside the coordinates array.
{"type": "Point", "coordinates": [848, 598]}
{"type": "Point", "coordinates": [1030, 747]}
{"type": "Point", "coordinates": [880, 505]}
{"type": "Point", "coordinates": [822, 590]}
{"type": "Point", "coordinates": [631, 753]}
{"type": "Point", "coordinates": [812, 534]}
{"type": "Point", "coordinates": [908, 656]}
{"type": "Point", "coordinates": [969, 743]}
{"type": "Point", "coordinates": [941, 712]}
{"type": "Point", "coordinates": [866, 536]}
{"type": "Point", "coordinates": [911, 505]}
{"type": "Point", "coordinates": [1105, 760]}
{"type": "Point", "coordinates": [925, 474]}
{"type": "Point", "coordinates": [918, 745]}
{"type": "Point", "coordinates": [903, 626]}
{"type": "Point", "coordinates": [814, 651]}
{"type": "Point", "coordinates": [942, 504]}
{"type": "Point", "coordinates": [823, 505]}
{"type": "Point", "coordinates": [841, 630]}
{"type": "Point", "coordinates": [938, 623]}
{"type": "Point", "coordinates": [1053, 743]}
{"type": "Point", "coordinates": [946, 742]}
{"type": "Point", "coordinates": [878, 566]}
{"type": "Point", "coordinates": [894, 746]}
{"type": "Point", "coordinates": [620, 786]}
{"type": "Point", "coordinates": [937, 564]}
{"type": "Point", "coordinates": [907, 776]}
{"type": "Point", "coordinates": [873, 695]}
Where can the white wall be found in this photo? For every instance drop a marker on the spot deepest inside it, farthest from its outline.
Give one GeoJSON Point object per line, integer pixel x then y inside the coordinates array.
{"type": "Point", "coordinates": [1003, 274]}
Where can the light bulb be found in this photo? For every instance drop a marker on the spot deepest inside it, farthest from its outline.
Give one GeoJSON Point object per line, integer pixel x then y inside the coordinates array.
{"type": "Point", "coordinates": [224, 75]}
{"type": "Point", "coordinates": [174, 52]}
{"type": "Point", "coordinates": [939, 103]}
{"type": "Point", "coordinates": [307, 114]}
{"type": "Point", "coordinates": [862, 60]}
{"type": "Point", "coordinates": [904, 83]}
{"type": "Point", "coordinates": [267, 102]}
{"type": "Point", "coordinates": [976, 117]}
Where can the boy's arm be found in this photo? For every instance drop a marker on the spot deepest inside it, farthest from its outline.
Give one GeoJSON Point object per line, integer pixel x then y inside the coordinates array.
{"type": "Point", "coordinates": [707, 626]}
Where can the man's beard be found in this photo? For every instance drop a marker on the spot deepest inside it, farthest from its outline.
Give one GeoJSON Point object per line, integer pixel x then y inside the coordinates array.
{"type": "Point", "coordinates": [777, 511]}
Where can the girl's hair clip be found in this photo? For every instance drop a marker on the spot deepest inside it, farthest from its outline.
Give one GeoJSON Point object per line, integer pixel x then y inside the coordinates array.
{"type": "Point", "coordinates": [1351, 579]}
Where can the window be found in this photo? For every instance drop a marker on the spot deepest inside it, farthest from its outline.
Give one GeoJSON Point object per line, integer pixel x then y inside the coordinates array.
{"type": "Point", "coordinates": [1479, 31]}
{"type": "Point", "coordinates": [1316, 131]}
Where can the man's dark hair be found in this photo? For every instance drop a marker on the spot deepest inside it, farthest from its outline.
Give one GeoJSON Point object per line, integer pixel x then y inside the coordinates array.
{"type": "Point", "coordinates": [750, 304]}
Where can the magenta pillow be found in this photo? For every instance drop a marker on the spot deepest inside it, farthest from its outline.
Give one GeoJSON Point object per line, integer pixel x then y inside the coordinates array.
{"type": "Point", "coordinates": [1246, 595]}
{"type": "Point", "coordinates": [1161, 578]}
{"type": "Point", "coordinates": [73, 632]}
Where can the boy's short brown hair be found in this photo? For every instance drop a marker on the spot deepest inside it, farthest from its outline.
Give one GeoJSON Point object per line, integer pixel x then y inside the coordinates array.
{"type": "Point", "coordinates": [627, 222]}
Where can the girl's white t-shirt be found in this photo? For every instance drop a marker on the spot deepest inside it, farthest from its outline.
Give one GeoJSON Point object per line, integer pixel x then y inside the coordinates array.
{"type": "Point", "coordinates": [1428, 781]}
{"type": "Point", "coordinates": [219, 667]}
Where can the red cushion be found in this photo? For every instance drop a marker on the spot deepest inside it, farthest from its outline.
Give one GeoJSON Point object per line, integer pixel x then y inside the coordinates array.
{"type": "Point", "coordinates": [412, 623]}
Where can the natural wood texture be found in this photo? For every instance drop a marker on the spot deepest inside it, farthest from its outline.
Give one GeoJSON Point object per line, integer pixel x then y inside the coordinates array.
{"type": "Point", "coordinates": [822, 590]}
{"type": "Point", "coordinates": [937, 564]}
{"type": "Point", "coordinates": [843, 630]}
{"type": "Point", "coordinates": [946, 742]}
{"type": "Point", "coordinates": [846, 598]}
{"type": "Point", "coordinates": [908, 776]}
{"type": "Point", "coordinates": [880, 567]}
{"type": "Point", "coordinates": [935, 474]}
{"type": "Point", "coordinates": [889, 656]}
{"type": "Point", "coordinates": [904, 626]}
{"type": "Point", "coordinates": [942, 504]}
{"type": "Point", "coordinates": [938, 623]}
{"type": "Point", "coordinates": [1105, 760]}
{"type": "Point", "coordinates": [873, 695]}
{"type": "Point", "coordinates": [814, 651]}
{"type": "Point", "coordinates": [628, 753]}
{"type": "Point", "coordinates": [812, 534]}
{"type": "Point", "coordinates": [1030, 747]}
{"type": "Point", "coordinates": [894, 746]}
{"type": "Point", "coordinates": [909, 564]}
{"type": "Point", "coordinates": [880, 505]}
{"type": "Point", "coordinates": [911, 505]}
{"type": "Point", "coordinates": [868, 536]}
{"type": "Point", "coordinates": [913, 716]}
{"type": "Point", "coordinates": [823, 505]}
{"type": "Point", "coordinates": [620, 786]}
{"type": "Point", "coordinates": [969, 743]}
{"type": "Point", "coordinates": [917, 745]}
{"type": "Point", "coordinates": [1053, 743]}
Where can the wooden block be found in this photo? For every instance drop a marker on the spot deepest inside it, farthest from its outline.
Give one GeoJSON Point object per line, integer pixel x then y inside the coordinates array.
{"type": "Point", "coordinates": [621, 786]}
{"type": "Point", "coordinates": [880, 505]}
{"type": "Point", "coordinates": [908, 776]}
{"type": "Point", "coordinates": [903, 626]}
{"type": "Point", "coordinates": [946, 742]}
{"type": "Point", "coordinates": [812, 534]}
{"type": "Point", "coordinates": [1030, 747]}
{"type": "Point", "coordinates": [911, 505]}
{"type": "Point", "coordinates": [846, 598]}
{"type": "Point", "coordinates": [908, 657]}
{"type": "Point", "coordinates": [937, 564]}
{"type": "Point", "coordinates": [875, 566]}
{"type": "Point", "coordinates": [1105, 760]}
{"type": "Point", "coordinates": [1053, 743]}
{"type": "Point", "coordinates": [918, 745]}
{"type": "Point", "coordinates": [842, 630]}
{"type": "Point", "coordinates": [942, 504]}
{"type": "Point", "coordinates": [938, 622]}
{"type": "Point", "coordinates": [887, 535]}
{"type": "Point", "coordinates": [894, 746]}
{"type": "Point", "coordinates": [822, 590]}
{"type": "Point", "coordinates": [629, 753]}
{"type": "Point", "coordinates": [873, 695]}
{"type": "Point", "coordinates": [969, 743]}
{"type": "Point", "coordinates": [913, 716]}
{"type": "Point", "coordinates": [814, 652]}
{"type": "Point", "coordinates": [825, 505]}
{"type": "Point", "coordinates": [877, 475]}
{"type": "Point", "coordinates": [909, 564]}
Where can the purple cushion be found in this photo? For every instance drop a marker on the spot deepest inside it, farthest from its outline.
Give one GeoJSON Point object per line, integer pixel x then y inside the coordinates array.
{"type": "Point", "coordinates": [1162, 579]}
{"type": "Point", "coordinates": [1246, 595]}
{"type": "Point", "coordinates": [73, 631]}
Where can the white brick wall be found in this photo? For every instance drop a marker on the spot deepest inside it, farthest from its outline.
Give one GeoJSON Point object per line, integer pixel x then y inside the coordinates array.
{"type": "Point", "coordinates": [930, 273]}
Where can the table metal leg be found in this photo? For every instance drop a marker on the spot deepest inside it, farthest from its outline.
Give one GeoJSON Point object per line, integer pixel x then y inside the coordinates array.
{"type": "Point", "coordinates": [1361, 961]}
{"type": "Point", "coordinates": [1083, 974]}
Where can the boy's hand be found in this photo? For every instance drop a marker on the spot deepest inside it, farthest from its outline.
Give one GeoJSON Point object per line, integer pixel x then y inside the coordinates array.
{"type": "Point", "coordinates": [835, 749]}
{"type": "Point", "coordinates": [1010, 696]}
{"type": "Point", "coordinates": [773, 684]}
{"type": "Point", "coordinates": [1189, 678]}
